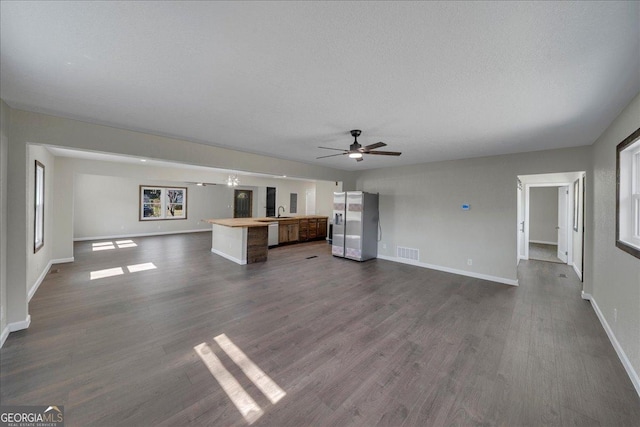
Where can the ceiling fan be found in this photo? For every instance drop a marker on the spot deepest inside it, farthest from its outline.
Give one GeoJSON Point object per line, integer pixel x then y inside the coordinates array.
{"type": "Point", "coordinates": [356, 150]}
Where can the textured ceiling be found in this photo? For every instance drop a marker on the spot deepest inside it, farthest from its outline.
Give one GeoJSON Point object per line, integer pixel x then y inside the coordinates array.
{"type": "Point", "coordinates": [434, 80]}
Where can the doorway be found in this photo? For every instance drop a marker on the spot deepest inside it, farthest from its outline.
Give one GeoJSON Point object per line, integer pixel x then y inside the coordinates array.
{"type": "Point", "coordinates": [551, 217]}
{"type": "Point", "coordinates": [271, 201]}
{"type": "Point", "coordinates": [242, 203]}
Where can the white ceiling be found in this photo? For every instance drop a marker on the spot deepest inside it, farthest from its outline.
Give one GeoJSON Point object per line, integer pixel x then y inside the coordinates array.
{"type": "Point", "coordinates": [435, 80]}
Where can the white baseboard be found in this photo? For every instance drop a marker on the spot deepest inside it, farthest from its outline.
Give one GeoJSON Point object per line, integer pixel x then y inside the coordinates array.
{"type": "Point", "coordinates": [12, 327]}
{"type": "Point", "coordinates": [586, 296]}
{"type": "Point", "coordinates": [18, 326]}
{"type": "Point", "coordinates": [122, 236]}
{"type": "Point", "coordinates": [35, 286]}
{"type": "Point", "coordinates": [542, 242]}
{"type": "Point", "coordinates": [229, 257]}
{"type": "Point", "coordinates": [577, 270]}
{"type": "Point", "coordinates": [4, 335]}
{"type": "Point", "coordinates": [40, 278]}
{"type": "Point", "coordinates": [633, 375]}
{"type": "Point", "coordinates": [503, 280]}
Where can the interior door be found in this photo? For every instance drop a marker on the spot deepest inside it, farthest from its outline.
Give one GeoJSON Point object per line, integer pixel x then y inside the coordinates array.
{"type": "Point", "coordinates": [242, 203]}
{"type": "Point", "coordinates": [271, 201]}
{"type": "Point", "coordinates": [521, 239]}
{"type": "Point", "coordinates": [563, 226]}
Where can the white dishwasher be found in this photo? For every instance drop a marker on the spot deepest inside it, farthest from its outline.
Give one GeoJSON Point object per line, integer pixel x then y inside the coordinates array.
{"type": "Point", "coordinates": [273, 234]}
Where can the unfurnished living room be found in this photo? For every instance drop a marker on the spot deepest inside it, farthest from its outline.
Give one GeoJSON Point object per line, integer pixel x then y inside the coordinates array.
{"type": "Point", "coordinates": [319, 213]}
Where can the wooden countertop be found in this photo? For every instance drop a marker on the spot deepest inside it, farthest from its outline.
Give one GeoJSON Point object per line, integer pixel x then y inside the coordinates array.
{"type": "Point", "coordinates": [238, 222]}
{"type": "Point", "coordinates": [258, 222]}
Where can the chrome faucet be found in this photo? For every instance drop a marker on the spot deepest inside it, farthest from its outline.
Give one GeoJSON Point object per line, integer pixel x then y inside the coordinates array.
{"type": "Point", "coordinates": [279, 210]}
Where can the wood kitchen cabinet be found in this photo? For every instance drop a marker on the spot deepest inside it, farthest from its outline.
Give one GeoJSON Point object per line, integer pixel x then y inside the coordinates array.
{"type": "Point", "coordinates": [302, 229]}
{"type": "Point", "coordinates": [303, 235]}
{"type": "Point", "coordinates": [288, 231]}
{"type": "Point", "coordinates": [322, 228]}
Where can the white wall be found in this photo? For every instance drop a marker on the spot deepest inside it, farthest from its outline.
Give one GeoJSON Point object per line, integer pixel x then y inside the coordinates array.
{"type": "Point", "coordinates": [108, 206]}
{"type": "Point", "coordinates": [39, 262]}
{"type": "Point", "coordinates": [543, 214]}
{"type": "Point", "coordinates": [420, 207]}
{"type": "Point", "coordinates": [4, 144]}
{"type": "Point", "coordinates": [612, 276]}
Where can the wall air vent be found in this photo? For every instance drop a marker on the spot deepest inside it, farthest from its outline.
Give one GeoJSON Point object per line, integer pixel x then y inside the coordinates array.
{"type": "Point", "coordinates": [408, 253]}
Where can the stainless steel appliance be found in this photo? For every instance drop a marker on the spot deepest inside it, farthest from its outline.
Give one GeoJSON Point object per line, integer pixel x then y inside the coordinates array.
{"type": "Point", "coordinates": [273, 234]}
{"type": "Point", "coordinates": [355, 225]}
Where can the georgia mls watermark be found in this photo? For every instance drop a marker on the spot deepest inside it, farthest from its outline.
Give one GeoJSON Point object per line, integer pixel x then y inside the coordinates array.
{"type": "Point", "coordinates": [32, 416]}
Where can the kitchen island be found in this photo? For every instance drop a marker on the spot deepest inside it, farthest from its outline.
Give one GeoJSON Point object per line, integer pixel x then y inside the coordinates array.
{"type": "Point", "coordinates": [245, 240]}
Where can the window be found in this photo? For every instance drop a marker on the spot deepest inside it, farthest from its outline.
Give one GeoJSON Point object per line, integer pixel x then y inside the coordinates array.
{"type": "Point", "coordinates": [38, 229]}
{"type": "Point", "coordinates": [293, 202]}
{"type": "Point", "coordinates": [628, 195]}
{"type": "Point", "coordinates": [158, 203]}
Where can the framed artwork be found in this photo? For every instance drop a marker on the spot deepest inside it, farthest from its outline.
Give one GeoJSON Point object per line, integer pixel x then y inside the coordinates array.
{"type": "Point", "coordinates": [38, 217]}
{"type": "Point", "coordinates": [576, 200]}
{"type": "Point", "coordinates": [162, 203]}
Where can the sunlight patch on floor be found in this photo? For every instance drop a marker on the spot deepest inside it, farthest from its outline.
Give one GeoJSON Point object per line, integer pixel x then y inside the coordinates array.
{"type": "Point", "coordinates": [238, 395]}
{"type": "Point", "coordinates": [141, 267]}
{"type": "Point", "coordinates": [103, 246]}
{"type": "Point", "coordinates": [240, 398]}
{"type": "Point", "coordinates": [266, 385]}
{"type": "Point", "coordinates": [109, 272]}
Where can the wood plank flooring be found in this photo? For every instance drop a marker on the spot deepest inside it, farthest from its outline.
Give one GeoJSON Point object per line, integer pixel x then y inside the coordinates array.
{"type": "Point", "coordinates": [351, 344]}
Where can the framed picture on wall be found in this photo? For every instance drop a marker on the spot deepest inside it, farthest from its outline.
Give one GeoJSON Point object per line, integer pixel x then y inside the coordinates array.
{"type": "Point", "coordinates": [162, 203]}
{"type": "Point", "coordinates": [576, 200]}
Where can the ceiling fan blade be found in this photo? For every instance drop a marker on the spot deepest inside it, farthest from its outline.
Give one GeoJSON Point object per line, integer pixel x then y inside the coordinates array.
{"type": "Point", "coordinates": [336, 149]}
{"type": "Point", "coordinates": [373, 146]}
{"type": "Point", "coordinates": [331, 155]}
{"type": "Point", "coordinates": [384, 153]}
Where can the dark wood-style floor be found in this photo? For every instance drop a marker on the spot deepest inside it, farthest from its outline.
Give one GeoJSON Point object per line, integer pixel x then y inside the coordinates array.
{"type": "Point", "coordinates": [351, 344]}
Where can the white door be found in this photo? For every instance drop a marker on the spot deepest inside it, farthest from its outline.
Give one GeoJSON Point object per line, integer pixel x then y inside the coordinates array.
{"type": "Point", "coordinates": [520, 225]}
{"type": "Point", "coordinates": [563, 204]}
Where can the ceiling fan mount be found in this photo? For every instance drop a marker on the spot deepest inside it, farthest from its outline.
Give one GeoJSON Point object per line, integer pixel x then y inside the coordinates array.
{"type": "Point", "coordinates": [356, 150]}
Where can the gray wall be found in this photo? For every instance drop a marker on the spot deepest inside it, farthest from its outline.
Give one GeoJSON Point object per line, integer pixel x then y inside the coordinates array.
{"type": "Point", "coordinates": [612, 275]}
{"type": "Point", "coordinates": [420, 207]}
{"type": "Point", "coordinates": [543, 214]}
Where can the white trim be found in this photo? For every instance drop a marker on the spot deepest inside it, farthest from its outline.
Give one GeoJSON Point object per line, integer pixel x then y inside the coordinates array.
{"type": "Point", "coordinates": [40, 278]}
{"type": "Point", "coordinates": [4, 335]}
{"type": "Point", "coordinates": [633, 375]}
{"type": "Point", "coordinates": [577, 270]}
{"type": "Point", "coordinates": [586, 296]}
{"type": "Point", "coordinates": [18, 326]}
{"type": "Point", "coordinates": [503, 280]}
{"type": "Point", "coordinates": [229, 257]}
{"type": "Point", "coordinates": [543, 243]}
{"type": "Point", "coordinates": [38, 282]}
{"type": "Point", "coordinates": [121, 236]}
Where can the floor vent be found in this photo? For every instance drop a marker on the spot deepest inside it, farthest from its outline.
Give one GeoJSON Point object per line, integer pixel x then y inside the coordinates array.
{"type": "Point", "coordinates": [564, 276]}
{"type": "Point", "coordinates": [313, 256]}
{"type": "Point", "coordinates": [408, 253]}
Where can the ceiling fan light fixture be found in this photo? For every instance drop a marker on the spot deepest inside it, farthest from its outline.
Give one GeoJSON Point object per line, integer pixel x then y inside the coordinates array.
{"type": "Point", "coordinates": [355, 155]}
{"type": "Point", "coordinates": [233, 181]}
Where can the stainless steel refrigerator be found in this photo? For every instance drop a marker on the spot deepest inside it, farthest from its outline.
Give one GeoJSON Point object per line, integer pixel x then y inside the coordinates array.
{"type": "Point", "coordinates": [355, 225]}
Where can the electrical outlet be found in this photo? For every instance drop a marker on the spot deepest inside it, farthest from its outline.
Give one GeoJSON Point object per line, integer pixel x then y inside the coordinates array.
{"type": "Point", "coordinates": [469, 261]}
{"type": "Point", "coordinates": [615, 315]}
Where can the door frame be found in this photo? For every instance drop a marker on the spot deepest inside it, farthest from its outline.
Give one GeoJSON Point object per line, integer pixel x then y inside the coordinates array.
{"type": "Point", "coordinates": [569, 213]}
{"type": "Point", "coordinates": [235, 195]}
